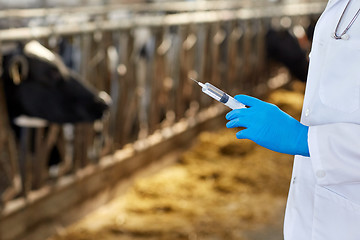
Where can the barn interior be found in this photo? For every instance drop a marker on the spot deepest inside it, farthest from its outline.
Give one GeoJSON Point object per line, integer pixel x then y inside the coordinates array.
{"type": "Point", "coordinates": [104, 136]}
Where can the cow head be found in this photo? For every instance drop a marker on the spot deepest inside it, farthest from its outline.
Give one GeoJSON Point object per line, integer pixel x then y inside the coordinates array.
{"type": "Point", "coordinates": [38, 84]}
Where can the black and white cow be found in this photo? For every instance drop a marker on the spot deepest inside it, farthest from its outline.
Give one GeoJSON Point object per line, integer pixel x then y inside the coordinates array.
{"type": "Point", "coordinates": [38, 84]}
{"type": "Point", "coordinates": [39, 89]}
{"type": "Point", "coordinates": [284, 48]}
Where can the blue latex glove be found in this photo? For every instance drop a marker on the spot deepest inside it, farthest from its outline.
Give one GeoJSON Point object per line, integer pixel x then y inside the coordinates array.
{"type": "Point", "coordinates": [269, 127]}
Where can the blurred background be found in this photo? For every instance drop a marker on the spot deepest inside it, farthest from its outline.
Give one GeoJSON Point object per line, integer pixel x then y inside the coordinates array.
{"type": "Point", "coordinates": [58, 3]}
{"type": "Point", "coordinates": [104, 136]}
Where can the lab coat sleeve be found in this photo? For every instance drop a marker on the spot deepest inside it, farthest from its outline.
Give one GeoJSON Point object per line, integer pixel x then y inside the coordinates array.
{"type": "Point", "coordinates": [335, 153]}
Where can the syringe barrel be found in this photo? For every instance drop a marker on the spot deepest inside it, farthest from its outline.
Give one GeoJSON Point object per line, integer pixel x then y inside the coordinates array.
{"type": "Point", "coordinates": [221, 96]}
{"type": "Point", "coordinates": [212, 91]}
{"type": "Point", "coordinates": [233, 103]}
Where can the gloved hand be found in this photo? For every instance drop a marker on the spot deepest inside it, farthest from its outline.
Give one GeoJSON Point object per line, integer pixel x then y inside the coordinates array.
{"type": "Point", "coordinates": [269, 127]}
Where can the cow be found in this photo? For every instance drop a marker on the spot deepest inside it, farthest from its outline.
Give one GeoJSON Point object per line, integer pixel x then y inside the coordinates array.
{"type": "Point", "coordinates": [38, 84]}
{"type": "Point", "coordinates": [284, 47]}
{"type": "Point", "coordinates": [39, 89]}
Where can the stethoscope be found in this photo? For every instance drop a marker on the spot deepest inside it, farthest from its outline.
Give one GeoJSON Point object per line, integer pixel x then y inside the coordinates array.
{"type": "Point", "coordinates": [343, 35]}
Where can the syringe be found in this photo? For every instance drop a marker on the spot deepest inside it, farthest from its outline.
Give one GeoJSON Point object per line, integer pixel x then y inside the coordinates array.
{"type": "Point", "coordinates": [219, 95]}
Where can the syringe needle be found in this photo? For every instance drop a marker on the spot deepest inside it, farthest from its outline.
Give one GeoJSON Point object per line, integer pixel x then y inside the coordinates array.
{"type": "Point", "coordinates": [201, 84]}
{"type": "Point", "coordinates": [194, 80]}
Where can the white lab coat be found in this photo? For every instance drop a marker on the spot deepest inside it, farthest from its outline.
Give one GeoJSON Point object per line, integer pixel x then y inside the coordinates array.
{"type": "Point", "coordinates": [324, 196]}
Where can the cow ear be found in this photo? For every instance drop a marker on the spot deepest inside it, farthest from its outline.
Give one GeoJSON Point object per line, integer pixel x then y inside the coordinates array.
{"type": "Point", "coordinates": [18, 69]}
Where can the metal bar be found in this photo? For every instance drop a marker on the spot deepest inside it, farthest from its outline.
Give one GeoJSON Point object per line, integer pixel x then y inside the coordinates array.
{"type": "Point", "coordinates": [182, 76]}
{"type": "Point", "coordinates": [233, 53]}
{"type": "Point", "coordinates": [164, 20]}
{"type": "Point", "coordinates": [158, 76]}
{"type": "Point", "coordinates": [25, 161]}
{"type": "Point", "coordinates": [39, 158]}
{"type": "Point", "coordinates": [9, 169]}
{"type": "Point", "coordinates": [207, 69]}
{"type": "Point", "coordinates": [149, 7]}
